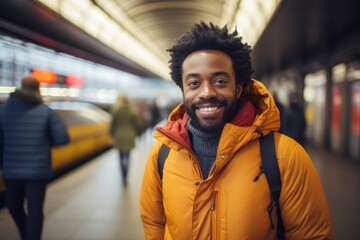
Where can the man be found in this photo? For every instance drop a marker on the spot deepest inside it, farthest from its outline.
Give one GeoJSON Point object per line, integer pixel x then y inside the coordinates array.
{"type": "Point", "coordinates": [28, 130]}
{"type": "Point", "coordinates": [208, 190]}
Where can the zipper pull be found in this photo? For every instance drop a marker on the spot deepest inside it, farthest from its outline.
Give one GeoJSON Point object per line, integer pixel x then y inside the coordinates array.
{"type": "Point", "coordinates": [213, 203]}
{"type": "Point", "coordinates": [259, 174]}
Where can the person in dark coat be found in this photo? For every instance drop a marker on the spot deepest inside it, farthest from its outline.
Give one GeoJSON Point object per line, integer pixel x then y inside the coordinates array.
{"type": "Point", "coordinates": [281, 108]}
{"type": "Point", "coordinates": [155, 113]}
{"type": "Point", "coordinates": [28, 130]}
{"type": "Point", "coordinates": [294, 119]}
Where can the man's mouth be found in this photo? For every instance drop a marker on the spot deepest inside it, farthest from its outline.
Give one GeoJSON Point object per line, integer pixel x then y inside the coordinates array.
{"type": "Point", "coordinates": [208, 109]}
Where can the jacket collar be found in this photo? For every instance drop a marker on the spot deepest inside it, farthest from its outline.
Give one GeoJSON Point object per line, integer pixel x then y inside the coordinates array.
{"type": "Point", "coordinates": [27, 96]}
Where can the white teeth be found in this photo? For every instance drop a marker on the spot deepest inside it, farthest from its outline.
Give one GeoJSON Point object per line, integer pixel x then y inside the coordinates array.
{"type": "Point", "coordinates": [208, 109]}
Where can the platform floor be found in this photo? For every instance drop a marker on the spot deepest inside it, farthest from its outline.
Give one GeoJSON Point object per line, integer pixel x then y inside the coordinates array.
{"type": "Point", "coordinates": [90, 202]}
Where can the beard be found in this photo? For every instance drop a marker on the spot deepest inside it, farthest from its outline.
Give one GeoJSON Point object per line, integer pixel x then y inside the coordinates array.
{"type": "Point", "coordinates": [230, 109]}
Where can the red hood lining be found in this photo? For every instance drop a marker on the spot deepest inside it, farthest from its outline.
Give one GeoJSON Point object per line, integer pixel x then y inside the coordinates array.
{"type": "Point", "coordinates": [178, 129]}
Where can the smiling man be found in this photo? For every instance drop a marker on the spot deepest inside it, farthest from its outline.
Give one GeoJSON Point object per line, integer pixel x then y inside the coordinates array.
{"type": "Point", "coordinates": [207, 188]}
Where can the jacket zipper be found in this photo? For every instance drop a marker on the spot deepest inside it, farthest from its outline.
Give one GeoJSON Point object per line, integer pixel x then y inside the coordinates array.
{"type": "Point", "coordinates": [214, 221]}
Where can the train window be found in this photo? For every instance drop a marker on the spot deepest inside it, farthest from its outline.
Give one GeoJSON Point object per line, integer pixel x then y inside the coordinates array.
{"type": "Point", "coordinates": [73, 118]}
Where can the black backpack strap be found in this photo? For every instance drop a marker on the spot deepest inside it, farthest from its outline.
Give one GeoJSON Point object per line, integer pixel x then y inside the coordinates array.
{"type": "Point", "coordinates": [163, 153]}
{"type": "Point", "coordinates": [272, 173]}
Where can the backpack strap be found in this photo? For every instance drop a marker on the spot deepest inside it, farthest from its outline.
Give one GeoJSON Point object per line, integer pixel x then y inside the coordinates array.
{"type": "Point", "coordinates": [271, 169]}
{"type": "Point", "coordinates": [163, 153]}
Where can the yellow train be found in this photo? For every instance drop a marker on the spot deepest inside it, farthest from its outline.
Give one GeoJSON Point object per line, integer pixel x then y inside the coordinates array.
{"type": "Point", "coordinates": [88, 129]}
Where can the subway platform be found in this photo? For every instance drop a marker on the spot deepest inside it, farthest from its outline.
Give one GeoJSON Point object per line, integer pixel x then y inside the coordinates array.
{"type": "Point", "coordinates": [90, 202]}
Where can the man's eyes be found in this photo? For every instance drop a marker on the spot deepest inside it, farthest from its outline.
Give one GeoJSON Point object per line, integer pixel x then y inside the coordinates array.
{"type": "Point", "coordinates": [218, 82]}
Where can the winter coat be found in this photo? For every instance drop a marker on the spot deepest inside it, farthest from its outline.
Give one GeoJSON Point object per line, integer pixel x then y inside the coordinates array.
{"type": "Point", "coordinates": [229, 204]}
{"type": "Point", "coordinates": [28, 130]}
{"type": "Point", "coordinates": [124, 127]}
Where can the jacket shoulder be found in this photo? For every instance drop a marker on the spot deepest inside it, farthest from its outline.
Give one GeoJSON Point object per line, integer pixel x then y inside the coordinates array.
{"type": "Point", "coordinates": [292, 157]}
{"type": "Point", "coordinates": [301, 192]}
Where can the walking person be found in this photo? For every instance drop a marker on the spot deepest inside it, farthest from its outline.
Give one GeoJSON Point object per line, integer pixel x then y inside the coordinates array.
{"type": "Point", "coordinates": [123, 130]}
{"type": "Point", "coordinates": [282, 112]}
{"type": "Point", "coordinates": [28, 130]}
{"type": "Point", "coordinates": [294, 119]}
{"type": "Point", "coordinates": [212, 184]}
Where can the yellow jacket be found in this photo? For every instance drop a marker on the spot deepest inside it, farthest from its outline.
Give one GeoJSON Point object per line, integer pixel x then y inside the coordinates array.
{"type": "Point", "coordinates": [229, 204]}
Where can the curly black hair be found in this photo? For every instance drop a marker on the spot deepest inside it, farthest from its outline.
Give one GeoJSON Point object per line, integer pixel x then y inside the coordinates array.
{"type": "Point", "coordinates": [208, 36]}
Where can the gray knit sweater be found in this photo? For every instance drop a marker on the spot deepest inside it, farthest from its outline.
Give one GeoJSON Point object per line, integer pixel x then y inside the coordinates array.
{"type": "Point", "coordinates": [205, 147]}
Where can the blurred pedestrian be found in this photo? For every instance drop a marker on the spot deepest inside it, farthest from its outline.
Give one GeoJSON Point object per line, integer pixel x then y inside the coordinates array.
{"type": "Point", "coordinates": [123, 130]}
{"type": "Point", "coordinates": [155, 113]}
{"type": "Point", "coordinates": [28, 130]}
{"type": "Point", "coordinates": [281, 108]}
{"type": "Point", "coordinates": [294, 119]}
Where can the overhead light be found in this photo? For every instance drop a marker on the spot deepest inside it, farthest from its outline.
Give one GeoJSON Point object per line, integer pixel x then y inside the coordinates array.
{"type": "Point", "coordinates": [250, 17]}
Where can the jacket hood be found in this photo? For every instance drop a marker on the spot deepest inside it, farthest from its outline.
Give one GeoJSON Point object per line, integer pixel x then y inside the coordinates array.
{"type": "Point", "coordinates": [257, 116]}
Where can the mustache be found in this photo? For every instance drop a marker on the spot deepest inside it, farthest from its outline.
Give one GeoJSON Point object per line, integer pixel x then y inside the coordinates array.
{"type": "Point", "coordinates": [208, 101]}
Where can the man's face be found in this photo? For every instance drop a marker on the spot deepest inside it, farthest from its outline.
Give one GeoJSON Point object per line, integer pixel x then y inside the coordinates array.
{"type": "Point", "coordinates": [209, 89]}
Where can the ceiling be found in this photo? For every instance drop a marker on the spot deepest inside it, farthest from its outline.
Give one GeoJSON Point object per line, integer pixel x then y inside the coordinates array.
{"type": "Point", "coordinates": [309, 34]}
{"type": "Point", "coordinates": [165, 21]}
{"type": "Point", "coordinates": [300, 31]}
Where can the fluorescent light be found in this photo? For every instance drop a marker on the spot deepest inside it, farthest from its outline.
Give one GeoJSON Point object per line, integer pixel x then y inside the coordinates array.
{"type": "Point", "coordinates": [5, 89]}
{"type": "Point", "coordinates": [252, 17]}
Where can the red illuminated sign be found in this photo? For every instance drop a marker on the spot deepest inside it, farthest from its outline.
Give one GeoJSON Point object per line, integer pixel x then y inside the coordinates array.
{"type": "Point", "coordinates": [336, 107]}
{"type": "Point", "coordinates": [72, 80]}
{"type": "Point", "coordinates": [355, 108]}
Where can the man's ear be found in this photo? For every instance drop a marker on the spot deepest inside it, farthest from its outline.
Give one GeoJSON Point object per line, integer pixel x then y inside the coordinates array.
{"type": "Point", "coordinates": [238, 90]}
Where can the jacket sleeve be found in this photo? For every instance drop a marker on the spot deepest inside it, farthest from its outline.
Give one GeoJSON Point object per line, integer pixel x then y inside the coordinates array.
{"type": "Point", "coordinates": [151, 203]}
{"type": "Point", "coordinates": [58, 130]}
{"type": "Point", "coordinates": [304, 208]}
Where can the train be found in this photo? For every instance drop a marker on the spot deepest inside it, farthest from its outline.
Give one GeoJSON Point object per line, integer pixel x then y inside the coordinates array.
{"type": "Point", "coordinates": [88, 128]}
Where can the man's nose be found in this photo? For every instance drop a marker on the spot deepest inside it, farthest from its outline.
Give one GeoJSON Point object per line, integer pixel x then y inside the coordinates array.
{"type": "Point", "coordinates": [207, 91]}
